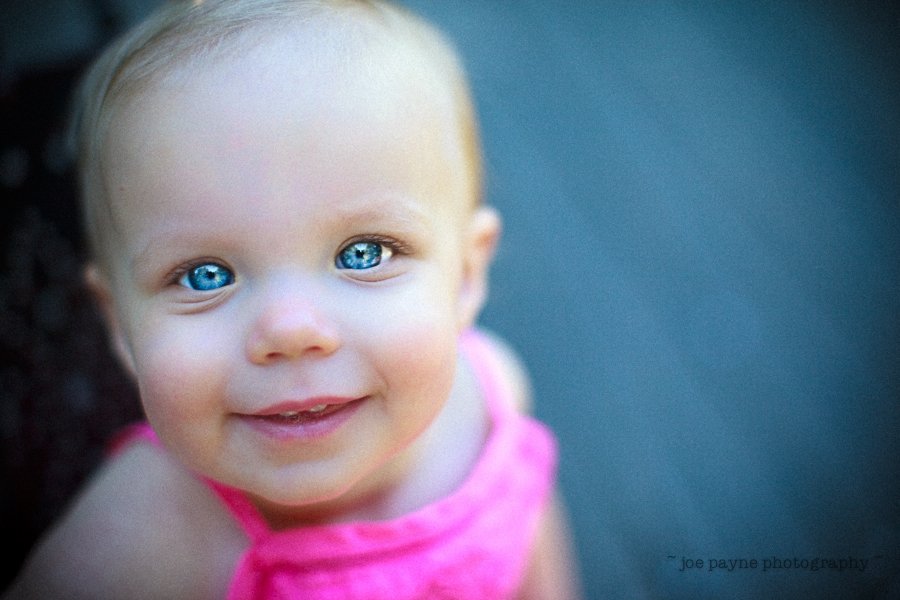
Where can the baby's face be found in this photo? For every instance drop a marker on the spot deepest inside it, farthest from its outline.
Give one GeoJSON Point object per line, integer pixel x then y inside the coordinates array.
{"type": "Point", "coordinates": [289, 236]}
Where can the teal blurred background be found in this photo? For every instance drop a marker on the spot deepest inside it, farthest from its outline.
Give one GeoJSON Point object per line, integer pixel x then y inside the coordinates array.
{"type": "Point", "coordinates": [700, 267]}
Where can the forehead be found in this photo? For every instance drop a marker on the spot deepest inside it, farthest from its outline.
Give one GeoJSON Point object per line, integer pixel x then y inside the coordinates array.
{"type": "Point", "coordinates": [308, 97]}
{"type": "Point", "coordinates": [357, 64]}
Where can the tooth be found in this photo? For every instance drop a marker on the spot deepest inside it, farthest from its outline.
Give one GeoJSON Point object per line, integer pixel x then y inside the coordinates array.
{"type": "Point", "coordinates": [291, 413]}
{"type": "Point", "coordinates": [318, 409]}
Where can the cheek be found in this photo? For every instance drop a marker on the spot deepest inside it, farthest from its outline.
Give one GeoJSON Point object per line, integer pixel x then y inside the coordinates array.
{"type": "Point", "coordinates": [416, 356]}
{"type": "Point", "coordinates": [419, 377]}
{"type": "Point", "coordinates": [180, 370]}
{"type": "Point", "coordinates": [418, 334]}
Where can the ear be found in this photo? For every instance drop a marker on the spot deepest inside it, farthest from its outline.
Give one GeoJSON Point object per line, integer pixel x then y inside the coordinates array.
{"type": "Point", "coordinates": [99, 286]}
{"type": "Point", "coordinates": [481, 237]}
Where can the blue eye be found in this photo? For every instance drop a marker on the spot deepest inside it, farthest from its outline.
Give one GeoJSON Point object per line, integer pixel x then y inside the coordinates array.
{"type": "Point", "coordinates": [205, 277]}
{"type": "Point", "coordinates": [362, 255]}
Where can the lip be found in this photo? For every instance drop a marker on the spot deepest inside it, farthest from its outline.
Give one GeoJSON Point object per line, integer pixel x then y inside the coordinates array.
{"type": "Point", "coordinates": [306, 428]}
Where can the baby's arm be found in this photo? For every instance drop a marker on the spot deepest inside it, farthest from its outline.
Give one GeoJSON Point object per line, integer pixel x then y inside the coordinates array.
{"type": "Point", "coordinates": [140, 529]}
{"type": "Point", "coordinates": [552, 572]}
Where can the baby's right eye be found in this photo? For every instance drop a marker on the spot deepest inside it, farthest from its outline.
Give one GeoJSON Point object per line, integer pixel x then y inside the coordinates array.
{"type": "Point", "coordinates": [206, 277]}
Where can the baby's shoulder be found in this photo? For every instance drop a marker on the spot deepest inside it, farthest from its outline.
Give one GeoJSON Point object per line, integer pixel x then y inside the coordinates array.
{"type": "Point", "coordinates": [143, 527]}
{"type": "Point", "coordinates": [511, 369]}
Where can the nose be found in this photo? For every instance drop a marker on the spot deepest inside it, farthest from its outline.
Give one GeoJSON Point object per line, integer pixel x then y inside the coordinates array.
{"type": "Point", "coordinates": [289, 327]}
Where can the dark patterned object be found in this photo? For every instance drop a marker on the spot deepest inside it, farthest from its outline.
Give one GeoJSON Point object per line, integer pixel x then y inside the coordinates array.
{"type": "Point", "coordinates": [61, 392]}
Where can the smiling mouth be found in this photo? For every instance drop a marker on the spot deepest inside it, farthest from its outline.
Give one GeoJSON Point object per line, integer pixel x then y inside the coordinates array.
{"type": "Point", "coordinates": [303, 421]}
{"type": "Point", "coordinates": [298, 413]}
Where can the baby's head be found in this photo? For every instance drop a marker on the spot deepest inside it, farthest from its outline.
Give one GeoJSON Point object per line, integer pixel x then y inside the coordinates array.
{"type": "Point", "coordinates": [283, 202]}
{"type": "Point", "coordinates": [184, 35]}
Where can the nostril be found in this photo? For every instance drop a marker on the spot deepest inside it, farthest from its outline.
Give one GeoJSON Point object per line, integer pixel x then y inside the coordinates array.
{"type": "Point", "coordinates": [276, 356]}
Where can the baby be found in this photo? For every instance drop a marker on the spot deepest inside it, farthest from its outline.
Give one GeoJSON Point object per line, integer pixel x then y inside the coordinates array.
{"type": "Point", "coordinates": [288, 245]}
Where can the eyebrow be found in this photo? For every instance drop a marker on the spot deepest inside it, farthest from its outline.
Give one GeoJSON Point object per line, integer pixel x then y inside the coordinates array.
{"type": "Point", "coordinates": [369, 209]}
{"type": "Point", "coordinates": [409, 216]}
{"type": "Point", "coordinates": [166, 239]}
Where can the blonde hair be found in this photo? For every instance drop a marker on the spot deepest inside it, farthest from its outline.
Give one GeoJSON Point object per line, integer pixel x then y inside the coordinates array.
{"type": "Point", "coordinates": [180, 32]}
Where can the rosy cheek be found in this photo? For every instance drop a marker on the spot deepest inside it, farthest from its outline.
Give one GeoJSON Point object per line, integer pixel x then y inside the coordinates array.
{"type": "Point", "coordinates": [179, 372]}
{"type": "Point", "coordinates": [421, 355]}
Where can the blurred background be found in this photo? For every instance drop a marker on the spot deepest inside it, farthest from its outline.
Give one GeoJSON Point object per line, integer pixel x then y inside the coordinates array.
{"type": "Point", "coordinates": [700, 267]}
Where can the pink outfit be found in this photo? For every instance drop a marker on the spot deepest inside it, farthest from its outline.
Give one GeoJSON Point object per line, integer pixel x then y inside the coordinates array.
{"type": "Point", "coordinates": [472, 544]}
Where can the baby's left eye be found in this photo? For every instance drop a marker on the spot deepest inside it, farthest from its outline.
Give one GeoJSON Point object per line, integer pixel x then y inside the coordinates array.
{"type": "Point", "coordinates": [207, 277]}
{"type": "Point", "coordinates": [362, 255]}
